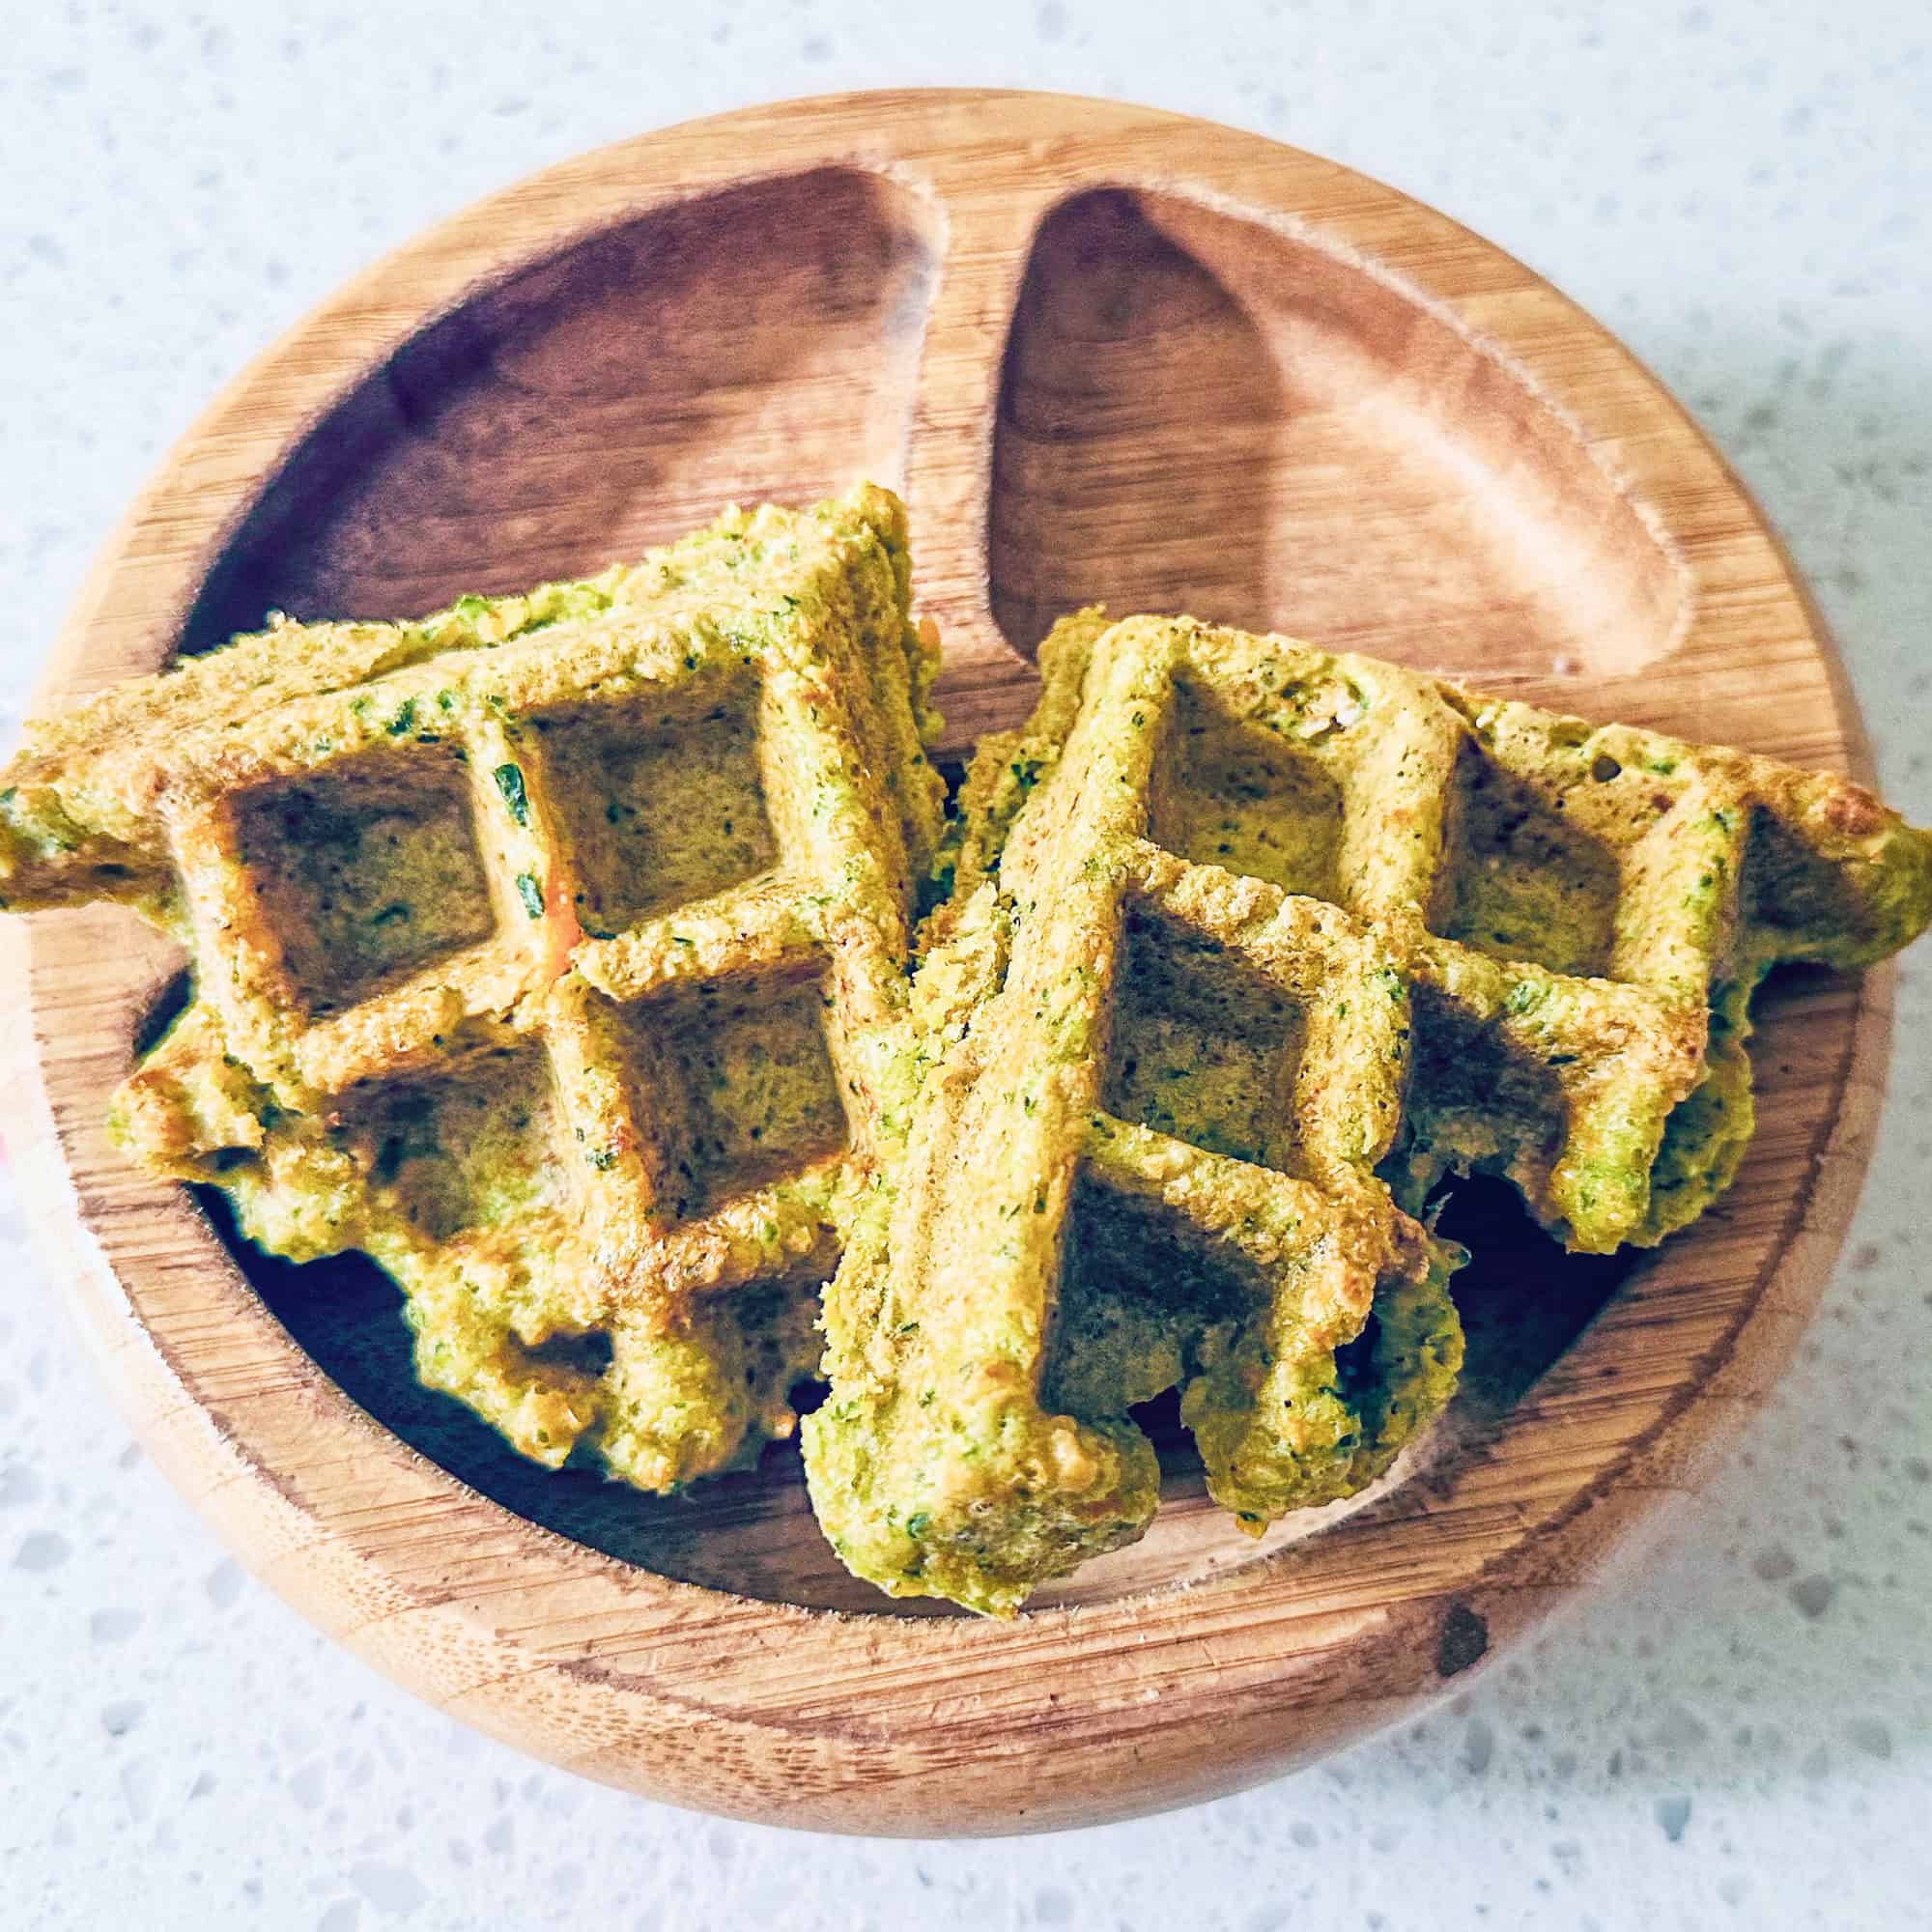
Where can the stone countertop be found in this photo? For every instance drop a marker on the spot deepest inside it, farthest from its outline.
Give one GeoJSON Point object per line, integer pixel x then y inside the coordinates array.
{"type": "Point", "coordinates": [1739, 1730]}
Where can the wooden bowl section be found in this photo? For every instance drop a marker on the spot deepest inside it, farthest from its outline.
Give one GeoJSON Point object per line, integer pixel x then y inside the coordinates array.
{"type": "Point", "coordinates": [1105, 353]}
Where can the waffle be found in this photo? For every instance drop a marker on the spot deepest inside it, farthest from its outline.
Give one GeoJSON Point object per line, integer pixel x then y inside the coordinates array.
{"type": "Point", "coordinates": [1581, 912]}
{"type": "Point", "coordinates": [1131, 1141]}
{"type": "Point", "coordinates": [1239, 937]}
{"type": "Point", "coordinates": [542, 954]}
{"type": "Point", "coordinates": [82, 803]}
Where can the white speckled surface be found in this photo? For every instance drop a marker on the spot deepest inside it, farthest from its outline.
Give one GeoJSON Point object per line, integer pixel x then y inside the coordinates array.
{"type": "Point", "coordinates": [1741, 1733]}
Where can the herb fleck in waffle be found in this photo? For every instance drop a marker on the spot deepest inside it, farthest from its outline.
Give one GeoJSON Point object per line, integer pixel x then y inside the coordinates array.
{"type": "Point", "coordinates": [1133, 1141]}
{"type": "Point", "coordinates": [539, 959]}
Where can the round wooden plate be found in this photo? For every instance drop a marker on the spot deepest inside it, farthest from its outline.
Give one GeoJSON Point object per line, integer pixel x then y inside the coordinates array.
{"type": "Point", "coordinates": [1105, 353]}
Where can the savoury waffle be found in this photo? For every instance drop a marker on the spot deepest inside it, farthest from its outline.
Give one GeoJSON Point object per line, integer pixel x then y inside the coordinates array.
{"type": "Point", "coordinates": [1132, 1141]}
{"type": "Point", "coordinates": [1581, 912]}
{"type": "Point", "coordinates": [83, 802]}
{"type": "Point", "coordinates": [548, 974]}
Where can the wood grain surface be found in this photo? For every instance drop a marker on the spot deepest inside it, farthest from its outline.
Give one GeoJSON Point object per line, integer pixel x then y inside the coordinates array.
{"type": "Point", "coordinates": [1105, 353]}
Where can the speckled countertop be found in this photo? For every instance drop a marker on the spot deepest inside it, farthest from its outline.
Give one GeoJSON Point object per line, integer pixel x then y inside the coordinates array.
{"type": "Point", "coordinates": [1739, 1730]}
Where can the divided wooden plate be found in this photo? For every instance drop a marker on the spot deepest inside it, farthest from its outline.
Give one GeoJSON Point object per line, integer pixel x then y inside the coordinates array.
{"type": "Point", "coordinates": [1106, 353]}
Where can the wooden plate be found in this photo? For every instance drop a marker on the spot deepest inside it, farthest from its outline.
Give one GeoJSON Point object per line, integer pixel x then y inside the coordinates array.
{"type": "Point", "coordinates": [1106, 352]}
